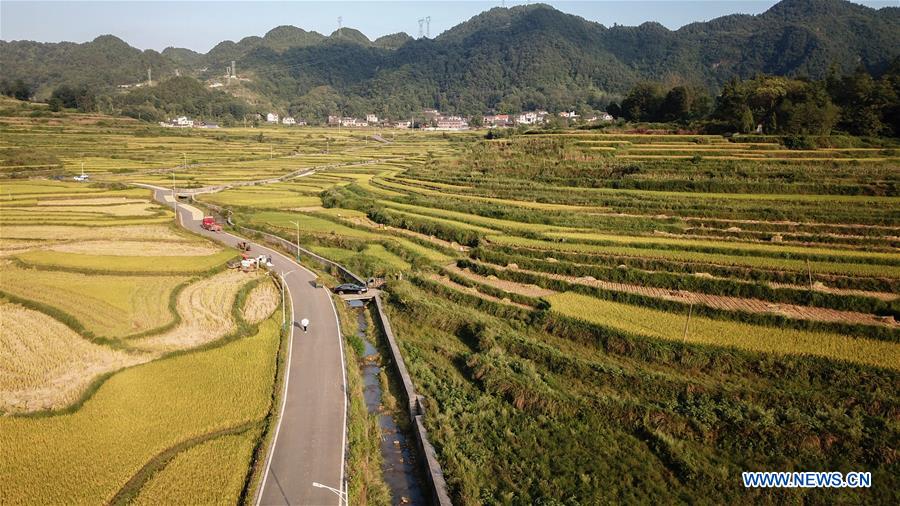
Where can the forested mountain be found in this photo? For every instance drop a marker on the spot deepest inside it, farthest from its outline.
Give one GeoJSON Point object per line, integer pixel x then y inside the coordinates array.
{"type": "Point", "coordinates": [505, 59]}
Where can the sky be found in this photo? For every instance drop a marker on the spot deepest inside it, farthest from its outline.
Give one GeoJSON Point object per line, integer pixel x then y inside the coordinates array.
{"type": "Point", "coordinates": [200, 25]}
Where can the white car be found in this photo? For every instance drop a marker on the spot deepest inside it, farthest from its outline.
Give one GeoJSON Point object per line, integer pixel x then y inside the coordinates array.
{"type": "Point", "coordinates": [82, 177]}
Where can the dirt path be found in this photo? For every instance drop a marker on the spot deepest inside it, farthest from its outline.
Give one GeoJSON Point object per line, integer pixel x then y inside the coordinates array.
{"type": "Point", "coordinates": [818, 287]}
{"type": "Point", "coordinates": [724, 302]}
{"type": "Point", "coordinates": [449, 283]}
{"type": "Point", "coordinates": [366, 222]}
{"type": "Point", "coordinates": [501, 284]}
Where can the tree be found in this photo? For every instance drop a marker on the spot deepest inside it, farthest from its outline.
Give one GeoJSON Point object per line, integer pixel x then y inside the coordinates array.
{"type": "Point", "coordinates": [865, 103]}
{"type": "Point", "coordinates": [643, 102]}
{"type": "Point", "coordinates": [614, 110]}
{"type": "Point", "coordinates": [676, 106]}
{"type": "Point", "coordinates": [16, 89]}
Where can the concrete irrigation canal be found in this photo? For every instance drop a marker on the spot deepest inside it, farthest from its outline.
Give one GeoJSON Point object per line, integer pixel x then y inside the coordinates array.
{"type": "Point", "coordinates": [399, 466]}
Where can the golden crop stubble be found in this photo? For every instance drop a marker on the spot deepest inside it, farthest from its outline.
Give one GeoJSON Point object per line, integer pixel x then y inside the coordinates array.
{"type": "Point", "coordinates": [205, 309]}
{"type": "Point", "coordinates": [261, 302]}
{"type": "Point", "coordinates": [46, 365]}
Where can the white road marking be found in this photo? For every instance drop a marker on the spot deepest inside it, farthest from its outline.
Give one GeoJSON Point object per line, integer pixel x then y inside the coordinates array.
{"type": "Point", "coordinates": [345, 393]}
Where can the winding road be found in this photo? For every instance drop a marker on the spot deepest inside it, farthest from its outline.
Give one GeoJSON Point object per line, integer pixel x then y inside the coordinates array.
{"type": "Point", "coordinates": [310, 436]}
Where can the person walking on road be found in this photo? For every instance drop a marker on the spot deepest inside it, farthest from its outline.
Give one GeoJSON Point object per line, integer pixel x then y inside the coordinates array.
{"type": "Point", "coordinates": [305, 324]}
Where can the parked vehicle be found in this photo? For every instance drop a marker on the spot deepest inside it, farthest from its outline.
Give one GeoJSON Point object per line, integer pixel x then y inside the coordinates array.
{"type": "Point", "coordinates": [209, 223]}
{"type": "Point", "coordinates": [350, 288]}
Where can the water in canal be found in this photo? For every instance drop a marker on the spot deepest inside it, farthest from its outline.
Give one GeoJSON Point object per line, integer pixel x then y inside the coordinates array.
{"type": "Point", "coordinates": [399, 466]}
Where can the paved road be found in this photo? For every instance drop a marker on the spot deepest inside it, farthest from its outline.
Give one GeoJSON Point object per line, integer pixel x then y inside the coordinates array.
{"type": "Point", "coordinates": [310, 436]}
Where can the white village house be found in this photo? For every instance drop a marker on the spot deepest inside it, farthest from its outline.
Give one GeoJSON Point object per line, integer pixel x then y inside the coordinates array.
{"type": "Point", "coordinates": [495, 120]}
{"type": "Point", "coordinates": [452, 123]}
{"type": "Point", "coordinates": [272, 117]}
{"type": "Point", "coordinates": [531, 117]}
{"type": "Point", "coordinates": [288, 120]}
{"type": "Point", "coordinates": [179, 122]}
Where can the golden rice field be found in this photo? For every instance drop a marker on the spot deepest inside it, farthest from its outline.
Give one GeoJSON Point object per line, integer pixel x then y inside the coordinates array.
{"type": "Point", "coordinates": [615, 207]}
{"type": "Point", "coordinates": [205, 315]}
{"type": "Point", "coordinates": [107, 305]}
{"type": "Point", "coordinates": [137, 248]}
{"type": "Point", "coordinates": [48, 210]}
{"type": "Point", "coordinates": [211, 472]}
{"type": "Point", "coordinates": [641, 321]}
{"type": "Point", "coordinates": [133, 416]}
{"type": "Point", "coordinates": [45, 365]}
{"type": "Point", "coordinates": [159, 233]}
{"type": "Point", "coordinates": [128, 264]}
{"type": "Point", "coordinates": [108, 262]}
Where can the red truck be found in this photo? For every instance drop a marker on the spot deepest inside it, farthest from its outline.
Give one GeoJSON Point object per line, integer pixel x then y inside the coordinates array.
{"type": "Point", "coordinates": [209, 223]}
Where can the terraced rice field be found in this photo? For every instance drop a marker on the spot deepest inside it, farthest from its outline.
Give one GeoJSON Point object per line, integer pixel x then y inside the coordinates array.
{"type": "Point", "coordinates": [676, 308]}
{"type": "Point", "coordinates": [46, 365]}
{"type": "Point", "coordinates": [106, 305]}
{"type": "Point", "coordinates": [670, 327]}
{"type": "Point", "coordinates": [188, 476]}
{"type": "Point", "coordinates": [203, 320]}
{"type": "Point", "coordinates": [97, 288]}
{"type": "Point", "coordinates": [99, 447]}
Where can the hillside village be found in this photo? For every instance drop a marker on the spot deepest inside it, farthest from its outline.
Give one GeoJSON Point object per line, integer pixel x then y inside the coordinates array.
{"type": "Point", "coordinates": [429, 120]}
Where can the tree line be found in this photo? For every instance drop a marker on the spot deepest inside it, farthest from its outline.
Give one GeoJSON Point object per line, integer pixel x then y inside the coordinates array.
{"type": "Point", "coordinates": [858, 104]}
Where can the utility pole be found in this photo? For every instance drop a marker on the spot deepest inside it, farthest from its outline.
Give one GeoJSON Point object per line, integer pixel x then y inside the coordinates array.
{"type": "Point", "coordinates": [688, 321]}
{"type": "Point", "coordinates": [298, 239]}
{"type": "Point", "coordinates": [174, 195]}
{"type": "Point", "coordinates": [283, 308]}
{"type": "Point", "coordinates": [809, 274]}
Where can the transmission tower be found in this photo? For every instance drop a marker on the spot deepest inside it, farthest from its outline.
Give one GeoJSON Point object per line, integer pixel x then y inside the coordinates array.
{"type": "Point", "coordinates": [421, 31]}
{"type": "Point", "coordinates": [149, 77]}
{"type": "Point", "coordinates": [428, 26]}
{"type": "Point", "coordinates": [340, 25]}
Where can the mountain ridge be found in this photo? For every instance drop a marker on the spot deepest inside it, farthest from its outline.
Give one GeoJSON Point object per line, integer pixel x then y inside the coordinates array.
{"type": "Point", "coordinates": [501, 59]}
